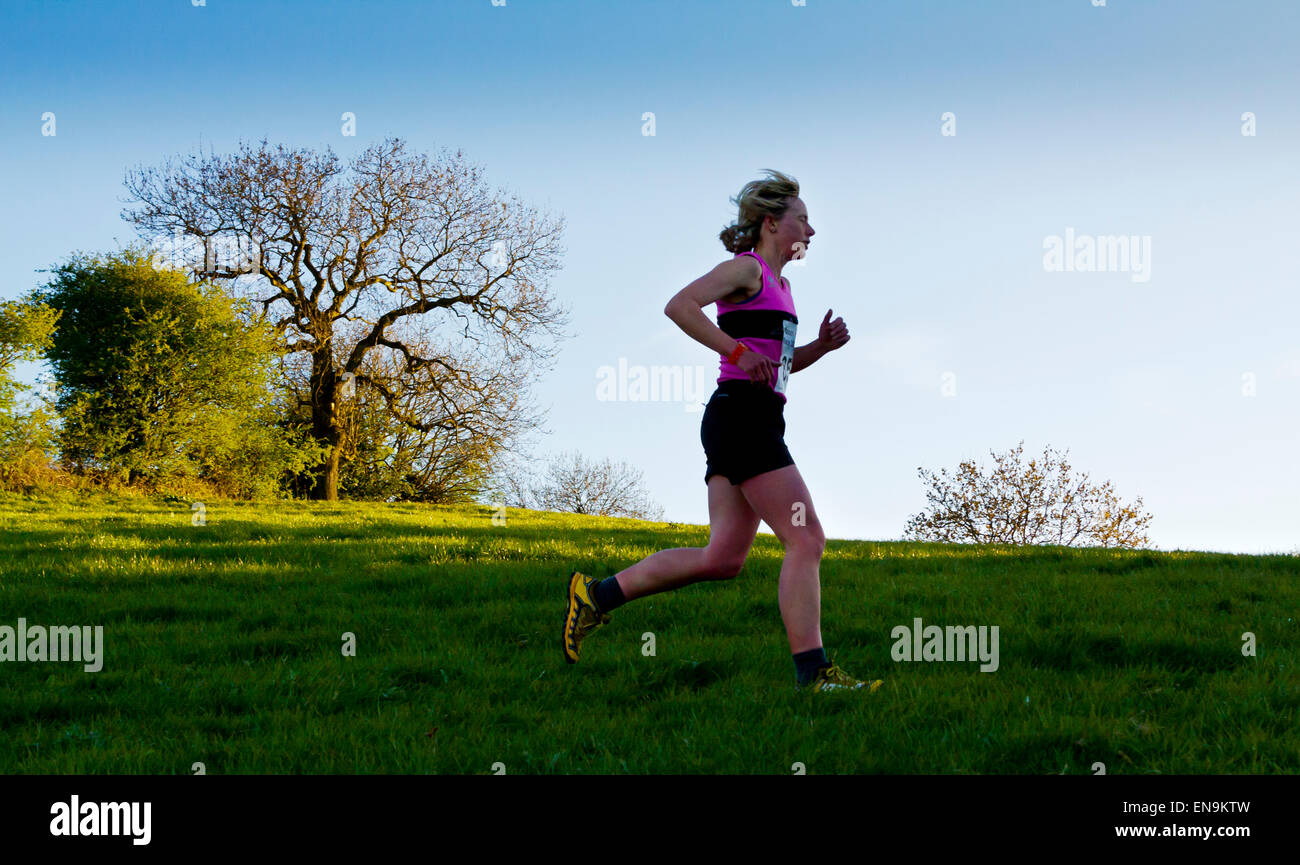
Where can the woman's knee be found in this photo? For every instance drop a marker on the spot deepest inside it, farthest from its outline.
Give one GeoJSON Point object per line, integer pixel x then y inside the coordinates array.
{"type": "Point", "coordinates": [807, 540]}
{"type": "Point", "coordinates": [723, 565]}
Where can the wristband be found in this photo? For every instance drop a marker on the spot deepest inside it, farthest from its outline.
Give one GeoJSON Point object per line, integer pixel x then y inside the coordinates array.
{"type": "Point", "coordinates": [736, 352]}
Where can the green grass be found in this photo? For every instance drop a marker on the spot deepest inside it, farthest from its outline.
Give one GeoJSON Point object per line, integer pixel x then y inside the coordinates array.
{"type": "Point", "coordinates": [222, 646]}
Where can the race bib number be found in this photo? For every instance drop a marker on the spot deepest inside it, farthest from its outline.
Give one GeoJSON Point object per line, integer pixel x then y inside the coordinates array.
{"type": "Point", "coordinates": [787, 355]}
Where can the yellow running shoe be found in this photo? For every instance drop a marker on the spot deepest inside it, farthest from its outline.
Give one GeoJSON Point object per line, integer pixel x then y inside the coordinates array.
{"type": "Point", "coordinates": [582, 617]}
{"type": "Point", "coordinates": [832, 678]}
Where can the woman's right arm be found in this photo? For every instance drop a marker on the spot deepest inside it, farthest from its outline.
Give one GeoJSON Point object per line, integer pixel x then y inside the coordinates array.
{"type": "Point", "coordinates": [686, 309]}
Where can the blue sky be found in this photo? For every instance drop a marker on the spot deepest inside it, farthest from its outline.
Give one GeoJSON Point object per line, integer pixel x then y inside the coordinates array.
{"type": "Point", "coordinates": [1117, 120]}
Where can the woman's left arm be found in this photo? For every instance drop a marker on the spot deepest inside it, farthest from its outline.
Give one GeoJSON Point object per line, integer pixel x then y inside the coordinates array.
{"type": "Point", "coordinates": [806, 355]}
{"type": "Point", "coordinates": [832, 335]}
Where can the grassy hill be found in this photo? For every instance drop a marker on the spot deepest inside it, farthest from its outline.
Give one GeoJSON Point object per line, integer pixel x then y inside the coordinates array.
{"type": "Point", "coordinates": [222, 645]}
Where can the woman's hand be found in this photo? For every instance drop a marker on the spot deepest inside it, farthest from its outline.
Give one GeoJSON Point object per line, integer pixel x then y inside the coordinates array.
{"type": "Point", "coordinates": [833, 334]}
{"type": "Point", "coordinates": [757, 366]}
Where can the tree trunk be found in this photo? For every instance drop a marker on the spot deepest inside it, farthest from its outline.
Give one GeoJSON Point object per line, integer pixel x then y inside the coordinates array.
{"type": "Point", "coordinates": [324, 424]}
{"type": "Point", "coordinates": [327, 478]}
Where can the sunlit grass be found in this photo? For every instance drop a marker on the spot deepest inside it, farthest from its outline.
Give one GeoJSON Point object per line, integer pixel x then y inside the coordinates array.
{"type": "Point", "coordinates": [222, 646]}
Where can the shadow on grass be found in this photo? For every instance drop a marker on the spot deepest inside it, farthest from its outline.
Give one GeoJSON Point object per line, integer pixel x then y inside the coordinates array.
{"type": "Point", "coordinates": [1072, 652]}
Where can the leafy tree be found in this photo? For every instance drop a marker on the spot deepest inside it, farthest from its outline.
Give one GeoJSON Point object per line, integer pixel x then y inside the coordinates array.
{"type": "Point", "coordinates": [26, 330]}
{"type": "Point", "coordinates": [158, 377]}
{"type": "Point", "coordinates": [1016, 504]}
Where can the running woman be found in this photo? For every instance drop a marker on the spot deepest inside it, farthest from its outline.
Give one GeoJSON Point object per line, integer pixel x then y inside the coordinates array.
{"type": "Point", "coordinates": [749, 471]}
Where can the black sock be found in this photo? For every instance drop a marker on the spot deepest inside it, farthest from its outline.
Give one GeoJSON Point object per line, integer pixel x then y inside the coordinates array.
{"type": "Point", "coordinates": [608, 595]}
{"type": "Point", "coordinates": [806, 664]}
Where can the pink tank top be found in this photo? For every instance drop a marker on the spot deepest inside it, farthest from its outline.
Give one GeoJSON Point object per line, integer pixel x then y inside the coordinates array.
{"type": "Point", "coordinates": [766, 323]}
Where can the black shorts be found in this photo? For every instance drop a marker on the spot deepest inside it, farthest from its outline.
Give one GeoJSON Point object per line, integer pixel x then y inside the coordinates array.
{"type": "Point", "coordinates": [743, 431]}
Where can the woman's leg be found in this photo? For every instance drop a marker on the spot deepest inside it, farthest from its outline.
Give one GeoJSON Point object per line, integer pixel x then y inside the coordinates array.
{"type": "Point", "coordinates": [782, 500]}
{"type": "Point", "coordinates": [732, 526]}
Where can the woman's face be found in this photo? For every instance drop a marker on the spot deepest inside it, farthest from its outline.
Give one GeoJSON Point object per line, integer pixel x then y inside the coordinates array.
{"type": "Point", "coordinates": [794, 232]}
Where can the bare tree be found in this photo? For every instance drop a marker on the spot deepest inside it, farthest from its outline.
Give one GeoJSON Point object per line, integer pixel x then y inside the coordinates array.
{"type": "Point", "coordinates": [447, 462]}
{"type": "Point", "coordinates": [376, 260]}
{"type": "Point", "coordinates": [1016, 504]}
{"type": "Point", "coordinates": [574, 485]}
